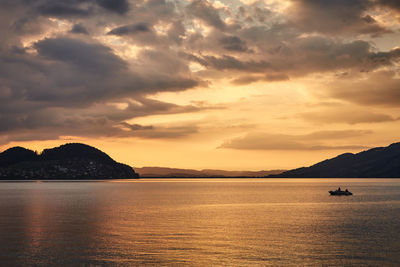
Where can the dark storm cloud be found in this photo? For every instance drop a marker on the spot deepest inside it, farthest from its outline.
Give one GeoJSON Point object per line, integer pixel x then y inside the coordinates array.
{"type": "Point", "coordinates": [312, 141]}
{"type": "Point", "coordinates": [130, 29]}
{"type": "Point", "coordinates": [79, 28]}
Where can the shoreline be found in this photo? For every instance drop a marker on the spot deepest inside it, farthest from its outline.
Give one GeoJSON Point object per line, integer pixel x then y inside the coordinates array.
{"type": "Point", "coordinates": [178, 178]}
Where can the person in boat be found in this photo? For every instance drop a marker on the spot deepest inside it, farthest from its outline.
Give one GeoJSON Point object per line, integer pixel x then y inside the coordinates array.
{"type": "Point", "coordinates": [339, 189]}
{"type": "Point", "coordinates": [346, 190]}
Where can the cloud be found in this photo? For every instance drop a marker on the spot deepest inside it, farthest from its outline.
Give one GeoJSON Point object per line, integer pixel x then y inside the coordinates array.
{"type": "Point", "coordinates": [226, 62]}
{"type": "Point", "coordinates": [335, 17]}
{"type": "Point", "coordinates": [203, 10]}
{"type": "Point", "coordinates": [64, 63]}
{"type": "Point", "coordinates": [67, 79]}
{"type": "Point", "coordinates": [64, 8]}
{"type": "Point", "coordinates": [136, 127]}
{"type": "Point", "coordinates": [118, 6]}
{"type": "Point", "coordinates": [302, 56]}
{"type": "Point", "coordinates": [79, 8]}
{"type": "Point", "coordinates": [321, 54]}
{"type": "Point", "coordinates": [337, 134]}
{"type": "Point", "coordinates": [345, 115]}
{"type": "Point", "coordinates": [380, 88]}
{"type": "Point", "coordinates": [394, 4]}
{"type": "Point", "coordinates": [233, 43]}
{"type": "Point", "coordinates": [270, 77]}
{"type": "Point", "coordinates": [100, 129]}
{"type": "Point", "coordinates": [97, 120]}
{"type": "Point", "coordinates": [79, 28]}
{"type": "Point", "coordinates": [160, 132]}
{"type": "Point", "coordinates": [68, 70]}
{"type": "Point", "coordinates": [141, 34]}
{"type": "Point", "coordinates": [248, 79]}
{"type": "Point", "coordinates": [312, 141]}
{"type": "Point", "coordinates": [131, 29]}
{"type": "Point", "coordinates": [276, 77]}
{"type": "Point", "coordinates": [91, 57]}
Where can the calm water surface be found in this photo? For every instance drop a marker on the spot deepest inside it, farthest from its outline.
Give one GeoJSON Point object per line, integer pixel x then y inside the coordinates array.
{"type": "Point", "coordinates": [204, 222]}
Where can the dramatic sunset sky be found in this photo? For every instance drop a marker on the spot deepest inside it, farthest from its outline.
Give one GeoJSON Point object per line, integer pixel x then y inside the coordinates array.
{"type": "Point", "coordinates": [238, 84]}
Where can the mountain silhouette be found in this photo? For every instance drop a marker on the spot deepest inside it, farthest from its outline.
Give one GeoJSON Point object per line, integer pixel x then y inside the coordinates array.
{"type": "Point", "coordinates": [158, 172]}
{"type": "Point", "coordinates": [15, 155]}
{"type": "Point", "coordinates": [380, 162]}
{"type": "Point", "coordinates": [69, 161]}
{"type": "Point", "coordinates": [76, 150]}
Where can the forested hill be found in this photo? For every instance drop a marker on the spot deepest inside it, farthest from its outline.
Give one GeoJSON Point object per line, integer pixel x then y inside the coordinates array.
{"type": "Point", "coordinates": [69, 161]}
{"type": "Point", "coordinates": [380, 162]}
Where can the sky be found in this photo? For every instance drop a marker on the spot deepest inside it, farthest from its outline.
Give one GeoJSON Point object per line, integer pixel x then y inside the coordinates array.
{"type": "Point", "coordinates": [235, 85]}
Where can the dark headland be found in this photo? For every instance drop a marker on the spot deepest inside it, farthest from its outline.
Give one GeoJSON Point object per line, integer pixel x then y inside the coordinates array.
{"type": "Point", "coordinates": [380, 162]}
{"type": "Point", "coordinates": [72, 161]}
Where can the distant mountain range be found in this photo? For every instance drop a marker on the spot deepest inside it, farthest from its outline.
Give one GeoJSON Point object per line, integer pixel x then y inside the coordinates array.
{"type": "Point", "coordinates": [380, 162]}
{"type": "Point", "coordinates": [80, 161]}
{"type": "Point", "coordinates": [69, 161]}
{"type": "Point", "coordinates": [164, 172]}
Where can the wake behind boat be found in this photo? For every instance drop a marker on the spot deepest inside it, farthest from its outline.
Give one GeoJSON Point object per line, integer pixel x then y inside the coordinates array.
{"type": "Point", "coordinates": [339, 192]}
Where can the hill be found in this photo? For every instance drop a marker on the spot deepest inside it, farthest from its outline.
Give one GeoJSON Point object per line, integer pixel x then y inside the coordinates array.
{"type": "Point", "coordinates": [174, 172]}
{"type": "Point", "coordinates": [15, 155]}
{"type": "Point", "coordinates": [380, 162]}
{"type": "Point", "coordinates": [69, 161]}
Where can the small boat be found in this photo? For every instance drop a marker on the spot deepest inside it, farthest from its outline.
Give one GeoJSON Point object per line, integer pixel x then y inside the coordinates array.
{"type": "Point", "coordinates": [339, 192]}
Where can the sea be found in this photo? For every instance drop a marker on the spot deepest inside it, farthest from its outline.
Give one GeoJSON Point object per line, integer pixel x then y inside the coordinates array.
{"type": "Point", "coordinates": [200, 222]}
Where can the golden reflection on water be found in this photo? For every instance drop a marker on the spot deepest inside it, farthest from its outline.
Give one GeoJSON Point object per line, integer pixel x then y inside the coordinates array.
{"type": "Point", "coordinates": [266, 222]}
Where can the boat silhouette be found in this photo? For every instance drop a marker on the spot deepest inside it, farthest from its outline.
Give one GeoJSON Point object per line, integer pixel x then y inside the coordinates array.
{"type": "Point", "coordinates": [340, 192]}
